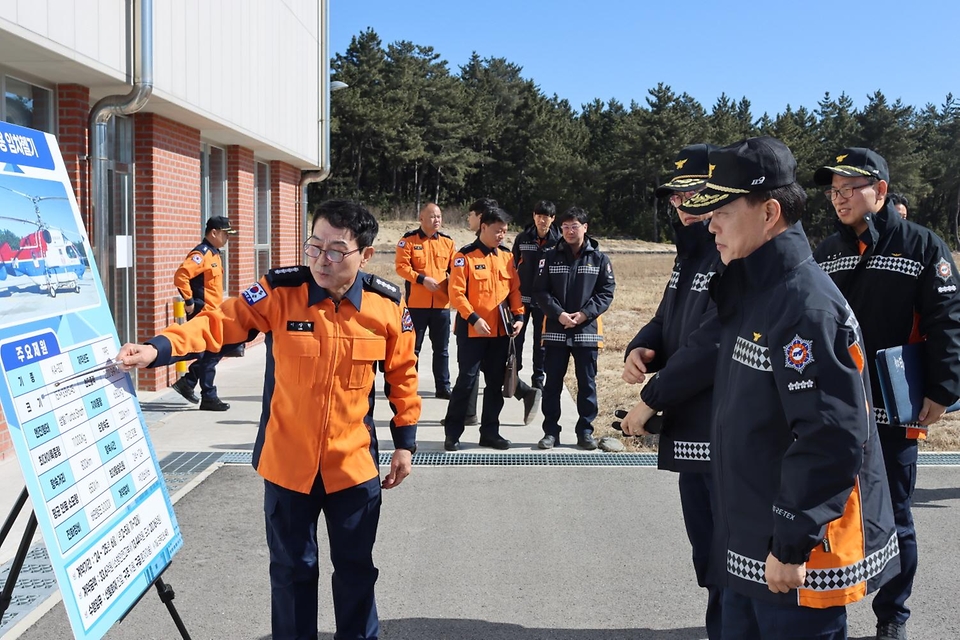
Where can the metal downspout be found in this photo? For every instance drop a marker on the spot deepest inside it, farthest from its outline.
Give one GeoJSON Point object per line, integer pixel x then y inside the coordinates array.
{"type": "Point", "coordinates": [323, 130]}
{"type": "Point", "coordinates": [100, 115]}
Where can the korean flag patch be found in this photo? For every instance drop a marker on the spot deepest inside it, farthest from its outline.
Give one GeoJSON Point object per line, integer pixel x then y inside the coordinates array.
{"type": "Point", "coordinates": [197, 258]}
{"type": "Point", "coordinates": [402, 244]}
{"type": "Point", "coordinates": [406, 322]}
{"type": "Point", "coordinates": [459, 262]}
{"type": "Point", "coordinates": [798, 354]}
{"type": "Point", "coordinates": [254, 294]}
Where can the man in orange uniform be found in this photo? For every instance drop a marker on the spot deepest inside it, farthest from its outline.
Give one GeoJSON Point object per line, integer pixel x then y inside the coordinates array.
{"type": "Point", "coordinates": [200, 283]}
{"type": "Point", "coordinates": [327, 325]}
{"type": "Point", "coordinates": [423, 259]}
{"type": "Point", "coordinates": [482, 277]}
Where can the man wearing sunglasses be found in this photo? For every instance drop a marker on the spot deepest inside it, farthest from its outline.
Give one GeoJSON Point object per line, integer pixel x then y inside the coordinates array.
{"type": "Point", "coordinates": [901, 282]}
{"type": "Point", "coordinates": [327, 325]}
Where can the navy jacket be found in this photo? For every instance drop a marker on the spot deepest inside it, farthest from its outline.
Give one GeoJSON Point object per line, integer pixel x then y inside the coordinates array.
{"type": "Point", "coordinates": [528, 248]}
{"type": "Point", "coordinates": [684, 334]}
{"type": "Point", "coordinates": [905, 280]}
{"type": "Point", "coordinates": [568, 283]}
{"type": "Point", "coordinates": [797, 466]}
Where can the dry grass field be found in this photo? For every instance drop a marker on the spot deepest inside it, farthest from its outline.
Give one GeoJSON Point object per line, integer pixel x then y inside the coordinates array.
{"type": "Point", "coordinates": [641, 276]}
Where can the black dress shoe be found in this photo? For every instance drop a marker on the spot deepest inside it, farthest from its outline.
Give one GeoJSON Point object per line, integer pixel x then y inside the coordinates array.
{"type": "Point", "coordinates": [444, 394]}
{"type": "Point", "coordinates": [188, 394]}
{"type": "Point", "coordinates": [449, 444]}
{"type": "Point", "coordinates": [497, 442]}
{"type": "Point", "coordinates": [547, 442]}
{"type": "Point", "coordinates": [530, 403]}
{"type": "Point", "coordinates": [213, 404]}
{"type": "Point", "coordinates": [587, 441]}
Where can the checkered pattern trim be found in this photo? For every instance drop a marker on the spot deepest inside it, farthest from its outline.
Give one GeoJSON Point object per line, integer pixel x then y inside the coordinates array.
{"type": "Point", "coordinates": [691, 450]}
{"type": "Point", "coordinates": [587, 337]}
{"type": "Point", "coordinates": [861, 571]}
{"type": "Point", "coordinates": [882, 418]}
{"type": "Point", "coordinates": [840, 264]}
{"type": "Point", "coordinates": [701, 281]}
{"type": "Point", "coordinates": [559, 268]}
{"type": "Point", "coordinates": [753, 355]}
{"type": "Point", "coordinates": [674, 278]}
{"type": "Point", "coordinates": [554, 337]}
{"type": "Point", "coordinates": [529, 247]}
{"type": "Point", "coordinates": [905, 266]}
{"type": "Point", "coordinates": [588, 268]}
{"type": "Point", "coordinates": [745, 568]}
{"type": "Point", "coordinates": [820, 579]}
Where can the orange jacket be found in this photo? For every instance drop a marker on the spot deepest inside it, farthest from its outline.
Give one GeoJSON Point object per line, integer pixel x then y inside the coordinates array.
{"type": "Point", "coordinates": [480, 279]}
{"type": "Point", "coordinates": [200, 278]}
{"type": "Point", "coordinates": [317, 407]}
{"type": "Point", "coordinates": [420, 256]}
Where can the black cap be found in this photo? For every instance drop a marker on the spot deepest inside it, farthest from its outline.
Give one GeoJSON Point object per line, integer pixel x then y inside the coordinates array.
{"type": "Point", "coordinates": [753, 165]}
{"type": "Point", "coordinates": [220, 222]}
{"type": "Point", "coordinates": [690, 171]}
{"type": "Point", "coordinates": [853, 162]}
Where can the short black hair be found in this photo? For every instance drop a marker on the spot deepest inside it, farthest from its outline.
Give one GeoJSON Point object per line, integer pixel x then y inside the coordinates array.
{"type": "Point", "coordinates": [792, 199]}
{"type": "Point", "coordinates": [546, 208]}
{"type": "Point", "coordinates": [494, 215]}
{"type": "Point", "coordinates": [483, 205]}
{"type": "Point", "coordinates": [350, 215]}
{"type": "Point", "coordinates": [573, 213]}
{"type": "Point", "coordinates": [899, 198]}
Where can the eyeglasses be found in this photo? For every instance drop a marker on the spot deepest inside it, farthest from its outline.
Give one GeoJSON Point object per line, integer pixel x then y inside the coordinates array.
{"type": "Point", "coordinates": [333, 255]}
{"type": "Point", "coordinates": [570, 227]}
{"type": "Point", "coordinates": [679, 197]}
{"type": "Point", "coordinates": [844, 192]}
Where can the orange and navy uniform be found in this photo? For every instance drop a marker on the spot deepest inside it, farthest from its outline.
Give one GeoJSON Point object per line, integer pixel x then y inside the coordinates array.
{"type": "Point", "coordinates": [321, 358]}
{"type": "Point", "coordinates": [480, 279]}
{"type": "Point", "coordinates": [200, 278]}
{"type": "Point", "coordinates": [796, 460]}
{"type": "Point", "coordinates": [421, 256]}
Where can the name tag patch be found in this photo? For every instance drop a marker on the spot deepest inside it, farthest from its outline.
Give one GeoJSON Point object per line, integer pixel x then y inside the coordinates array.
{"type": "Point", "coordinates": [300, 325]}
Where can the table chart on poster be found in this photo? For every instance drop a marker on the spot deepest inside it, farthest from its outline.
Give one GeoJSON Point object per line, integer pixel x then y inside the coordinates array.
{"type": "Point", "coordinates": [91, 459]}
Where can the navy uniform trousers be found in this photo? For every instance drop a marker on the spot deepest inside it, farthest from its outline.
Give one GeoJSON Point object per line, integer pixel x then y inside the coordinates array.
{"type": "Point", "coordinates": [555, 363]}
{"type": "Point", "coordinates": [437, 321]}
{"type": "Point", "coordinates": [900, 460]}
{"type": "Point", "coordinates": [351, 516]}
{"type": "Point", "coordinates": [533, 317]}
{"type": "Point", "coordinates": [695, 490]}
{"type": "Point", "coordinates": [474, 355]}
{"type": "Point", "coordinates": [203, 370]}
{"type": "Point", "coordinates": [747, 618]}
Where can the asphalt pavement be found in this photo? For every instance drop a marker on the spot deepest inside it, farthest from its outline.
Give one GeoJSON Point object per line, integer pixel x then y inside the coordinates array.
{"type": "Point", "coordinates": [525, 545]}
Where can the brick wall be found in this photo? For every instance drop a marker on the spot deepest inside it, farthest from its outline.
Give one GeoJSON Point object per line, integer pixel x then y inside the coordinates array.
{"type": "Point", "coordinates": [285, 224]}
{"type": "Point", "coordinates": [168, 222]}
{"type": "Point", "coordinates": [240, 209]}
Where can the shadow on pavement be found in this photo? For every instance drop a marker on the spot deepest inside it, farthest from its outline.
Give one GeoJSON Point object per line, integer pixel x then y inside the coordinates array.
{"type": "Point", "coordinates": [923, 497]}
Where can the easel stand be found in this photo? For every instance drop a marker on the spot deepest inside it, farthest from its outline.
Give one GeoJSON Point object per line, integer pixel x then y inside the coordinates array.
{"type": "Point", "coordinates": [164, 590]}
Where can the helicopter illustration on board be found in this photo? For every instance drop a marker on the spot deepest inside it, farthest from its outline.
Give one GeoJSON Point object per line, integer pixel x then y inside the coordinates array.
{"type": "Point", "coordinates": [45, 258]}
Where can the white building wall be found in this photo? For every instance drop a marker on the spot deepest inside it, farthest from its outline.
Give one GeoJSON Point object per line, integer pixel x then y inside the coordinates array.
{"type": "Point", "coordinates": [246, 66]}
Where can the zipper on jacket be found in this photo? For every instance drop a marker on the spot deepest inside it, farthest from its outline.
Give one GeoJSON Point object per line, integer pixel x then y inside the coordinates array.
{"type": "Point", "coordinates": [826, 545]}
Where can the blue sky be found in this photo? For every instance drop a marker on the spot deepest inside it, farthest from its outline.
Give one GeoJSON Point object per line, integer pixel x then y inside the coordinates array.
{"type": "Point", "coordinates": [775, 53]}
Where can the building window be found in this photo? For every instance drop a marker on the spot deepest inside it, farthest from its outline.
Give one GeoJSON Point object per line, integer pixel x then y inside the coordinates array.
{"type": "Point", "coordinates": [261, 235]}
{"type": "Point", "coordinates": [213, 185]}
{"type": "Point", "coordinates": [26, 104]}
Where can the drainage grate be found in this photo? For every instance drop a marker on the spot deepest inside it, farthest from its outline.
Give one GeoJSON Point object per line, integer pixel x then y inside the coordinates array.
{"type": "Point", "coordinates": [931, 459]}
{"type": "Point", "coordinates": [189, 462]}
{"type": "Point", "coordinates": [237, 457]}
{"type": "Point", "coordinates": [35, 584]}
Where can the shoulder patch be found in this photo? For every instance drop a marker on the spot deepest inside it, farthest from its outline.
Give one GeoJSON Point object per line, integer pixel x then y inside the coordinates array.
{"type": "Point", "coordinates": [459, 261]}
{"type": "Point", "coordinates": [288, 276]}
{"type": "Point", "coordinates": [197, 258]}
{"type": "Point", "coordinates": [944, 271]}
{"type": "Point", "coordinates": [798, 353]}
{"type": "Point", "coordinates": [406, 322]}
{"type": "Point", "coordinates": [384, 287]}
{"type": "Point", "coordinates": [402, 244]}
{"type": "Point", "coordinates": [254, 294]}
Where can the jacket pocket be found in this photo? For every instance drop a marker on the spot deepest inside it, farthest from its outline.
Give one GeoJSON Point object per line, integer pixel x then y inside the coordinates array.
{"type": "Point", "coordinates": [366, 352]}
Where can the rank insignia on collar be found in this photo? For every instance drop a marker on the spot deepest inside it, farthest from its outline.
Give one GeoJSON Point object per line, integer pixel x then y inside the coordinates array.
{"type": "Point", "coordinates": [943, 270]}
{"type": "Point", "coordinates": [798, 354]}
